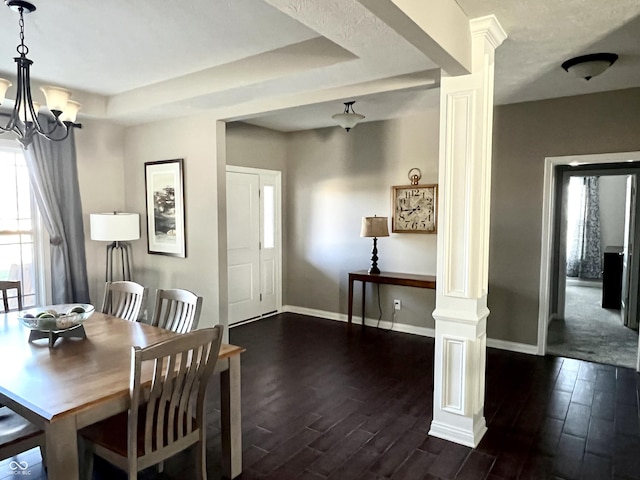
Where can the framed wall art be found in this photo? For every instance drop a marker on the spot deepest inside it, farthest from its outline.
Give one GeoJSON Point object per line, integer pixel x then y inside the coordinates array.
{"type": "Point", "coordinates": [164, 186]}
{"type": "Point", "coordinates": [414, 206]}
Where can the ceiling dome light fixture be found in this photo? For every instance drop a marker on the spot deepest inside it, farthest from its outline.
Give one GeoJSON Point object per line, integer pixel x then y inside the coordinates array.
{"type": "Point", "coordinates": [348, 118]}
{"type": "Point", "coordinates": [589, 66]}
{"type": "Point", "coordinates": [23, 119]}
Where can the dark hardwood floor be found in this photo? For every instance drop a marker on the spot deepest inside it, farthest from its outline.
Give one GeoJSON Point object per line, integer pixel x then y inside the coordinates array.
{"type": "Point", "coordinates": [322, 402]}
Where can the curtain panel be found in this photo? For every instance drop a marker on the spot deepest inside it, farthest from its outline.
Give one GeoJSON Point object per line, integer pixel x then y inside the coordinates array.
{"type": "Point", "coordinates": [584, 253]}
{"type": "Point", "coordinates": [54, 180]}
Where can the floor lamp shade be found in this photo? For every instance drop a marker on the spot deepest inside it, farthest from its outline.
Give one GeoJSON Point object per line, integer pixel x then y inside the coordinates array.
{"type": "Point", "coordinates": [117, 228]}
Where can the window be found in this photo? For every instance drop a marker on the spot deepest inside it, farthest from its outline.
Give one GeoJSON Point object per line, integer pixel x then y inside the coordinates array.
{"type": "Point", "coordinates": [18, 226]}
{"type": "Point", "coordinates": [269, 216]}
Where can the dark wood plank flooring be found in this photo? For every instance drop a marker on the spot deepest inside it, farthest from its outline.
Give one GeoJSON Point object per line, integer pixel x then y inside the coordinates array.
{"type": "Point", "coordinates": [322, 402]}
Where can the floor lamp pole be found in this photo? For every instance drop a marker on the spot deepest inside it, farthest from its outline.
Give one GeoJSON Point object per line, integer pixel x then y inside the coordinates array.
{"type": "Point", "coordinates": [115, 249]}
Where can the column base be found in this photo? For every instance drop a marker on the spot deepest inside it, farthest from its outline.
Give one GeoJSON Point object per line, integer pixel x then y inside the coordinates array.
{"type": "Point", "coordinates": [458, 435]}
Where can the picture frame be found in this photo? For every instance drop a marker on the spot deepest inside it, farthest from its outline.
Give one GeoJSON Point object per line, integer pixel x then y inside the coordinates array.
{"type": "Point", "coordinates": [164, 189]}
{"type": "Point", "coordinates": [414, 208]}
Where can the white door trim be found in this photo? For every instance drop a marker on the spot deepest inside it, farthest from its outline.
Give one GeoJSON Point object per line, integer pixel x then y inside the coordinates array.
{"type": "Point", "coordinates": [278, 232]}
{"type": "Point", "coordinates": [548, 208]}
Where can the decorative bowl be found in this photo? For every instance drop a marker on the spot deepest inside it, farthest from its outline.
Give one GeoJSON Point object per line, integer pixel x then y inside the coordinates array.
{"type": "Point", "coordinates": [56, 318]}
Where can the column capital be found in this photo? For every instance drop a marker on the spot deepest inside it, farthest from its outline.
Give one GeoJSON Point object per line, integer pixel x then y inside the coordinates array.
{"type": "Point", "coordinates": [488, 27]}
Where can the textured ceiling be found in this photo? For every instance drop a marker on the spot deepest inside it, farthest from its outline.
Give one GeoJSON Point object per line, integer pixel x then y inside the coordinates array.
{"type": "Point", "coordinates": [289, 64]}
{"type": "Point", "coordinates": [545, 33]}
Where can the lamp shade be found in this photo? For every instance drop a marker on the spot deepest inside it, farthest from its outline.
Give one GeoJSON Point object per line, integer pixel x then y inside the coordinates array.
{"type": "Point", "coordinates": [374, 227]}
{"type": "Point", "coordinates": [70, 112]}
{"type": "Point", "coordinates": [56, 97]}
{"type": "Point", "coordinates": [115, 227]}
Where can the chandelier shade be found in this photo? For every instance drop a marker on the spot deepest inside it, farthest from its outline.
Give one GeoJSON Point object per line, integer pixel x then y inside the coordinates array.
{"type": "Point", "coordinates": [349, 118]}
{"type": "Point", "coordinates": [23, 117]}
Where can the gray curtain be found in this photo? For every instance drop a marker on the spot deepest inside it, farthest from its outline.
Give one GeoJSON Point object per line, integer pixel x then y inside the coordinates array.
{"type": "Point", "coordinates": [584, 259]}
{"type": "Point", "coordinates": [54, 180]}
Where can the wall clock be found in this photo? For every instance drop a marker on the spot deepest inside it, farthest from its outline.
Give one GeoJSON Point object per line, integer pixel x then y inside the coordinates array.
{"type": "Point", "coordinates": [414, 206]}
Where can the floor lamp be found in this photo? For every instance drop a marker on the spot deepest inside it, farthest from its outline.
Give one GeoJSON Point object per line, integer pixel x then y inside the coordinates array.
{"type": "Point", "coordinates": [117, 228]}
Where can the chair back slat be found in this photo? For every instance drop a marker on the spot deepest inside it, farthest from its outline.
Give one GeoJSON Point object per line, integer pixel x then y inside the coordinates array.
{"type": "Point", "coordinates": [124, 299]}
{"type": "Point", "coordinates": [181, 368]}
{"type": "Point", "coordinates": [5, 286]}
{"type": "Point", "coordinates": [177, 310]}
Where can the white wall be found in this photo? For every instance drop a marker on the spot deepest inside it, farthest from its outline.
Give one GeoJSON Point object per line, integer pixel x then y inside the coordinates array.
{"type": "Point", "coordinates": [612, 209]}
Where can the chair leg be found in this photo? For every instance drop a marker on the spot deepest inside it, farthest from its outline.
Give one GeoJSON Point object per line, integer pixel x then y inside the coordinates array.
{"type": "Point", "coordinates": [201, 460]}
{"type": "Point", "coordinates": [43, 454]}
{"type": "Point", "coordinates": [160, 467]}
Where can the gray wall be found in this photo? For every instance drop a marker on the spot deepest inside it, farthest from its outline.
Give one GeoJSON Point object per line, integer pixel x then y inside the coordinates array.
{"type": "Point", "coordinates": [524, 134]}
{"type": "Point", "coordinates": [196, 140]}
{"type": "Point", "coordinates": [335, 178]}
{"type": "Point", "coordinates": [612, 204]}
{"type": "Point", "coordinates": [331, 180]}
{"type": "Point", "coordinates": [99, 150]}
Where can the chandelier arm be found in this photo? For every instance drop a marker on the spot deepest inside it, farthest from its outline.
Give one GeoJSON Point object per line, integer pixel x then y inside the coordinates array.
{"type": "Point", "coordinates": [34, 126]}
{"type": "Point", "coordinates": [23, 119]}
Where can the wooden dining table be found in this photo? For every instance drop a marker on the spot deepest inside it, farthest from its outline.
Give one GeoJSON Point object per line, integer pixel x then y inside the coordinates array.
{"type": "Point", "coordinates": [82, 381]}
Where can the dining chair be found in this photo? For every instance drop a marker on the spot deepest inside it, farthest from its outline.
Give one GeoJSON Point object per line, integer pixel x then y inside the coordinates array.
{"type": "Point", "coordinates": [18, 435]}
{"type": "Point", "coordinates": [165, 417]}
{"type": "Point", "coordinates": [177, 310]}
{"type": "Point", "coordinates": [6, 285]}
{"type": "Point", "coordinates": [124, 299]}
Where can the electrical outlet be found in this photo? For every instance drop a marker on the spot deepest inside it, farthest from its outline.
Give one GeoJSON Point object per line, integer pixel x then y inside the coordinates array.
{"type": "Point", "coordinates": [396, 304]}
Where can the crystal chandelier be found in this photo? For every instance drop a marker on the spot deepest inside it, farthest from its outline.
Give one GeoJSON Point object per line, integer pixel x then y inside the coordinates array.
{"type": "Point", "coordinates": [23, 119]}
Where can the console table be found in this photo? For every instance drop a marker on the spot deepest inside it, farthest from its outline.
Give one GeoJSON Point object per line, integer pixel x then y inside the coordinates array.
{"type": "Point", "coordinates": [389, 278]}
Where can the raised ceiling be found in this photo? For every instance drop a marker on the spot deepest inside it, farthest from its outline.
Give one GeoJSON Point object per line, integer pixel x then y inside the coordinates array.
{"type": "Point", "coordinates": [289, 64]}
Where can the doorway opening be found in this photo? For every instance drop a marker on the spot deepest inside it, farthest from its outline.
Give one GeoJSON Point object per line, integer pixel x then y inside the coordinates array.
{"type": "Point", "coordinates": [594, 320]}
{"type": "Point", "coordinates": [589, 273]}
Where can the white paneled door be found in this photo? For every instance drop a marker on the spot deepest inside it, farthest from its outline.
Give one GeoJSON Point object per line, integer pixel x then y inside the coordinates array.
{"type": "Point", "coordinates": [253, 243]}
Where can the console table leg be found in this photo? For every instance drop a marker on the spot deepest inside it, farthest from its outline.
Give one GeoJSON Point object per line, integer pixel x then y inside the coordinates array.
{"type": "Point", "coordinates": [364, 290]}
{"type": "Point", "coordinates": [350, 310]}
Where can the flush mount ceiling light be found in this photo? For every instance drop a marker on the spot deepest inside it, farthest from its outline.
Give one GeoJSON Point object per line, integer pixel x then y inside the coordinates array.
{"type": "Point", "coordinates": [589, 66]}
{"type": "Point", "coordinates": [348, 118]}
{"type": "Point", "coordinates": [23, 119]}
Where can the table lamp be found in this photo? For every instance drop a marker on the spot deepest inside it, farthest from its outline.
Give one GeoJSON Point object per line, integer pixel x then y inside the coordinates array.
{"type": "Point", "coordinates": [117, 228]}
{"type": "Point", "coordinates": [374, 227]}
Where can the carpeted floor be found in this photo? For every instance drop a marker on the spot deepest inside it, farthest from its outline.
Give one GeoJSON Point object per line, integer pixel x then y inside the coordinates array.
{"type": "Point", "coordinates": [590, 332]}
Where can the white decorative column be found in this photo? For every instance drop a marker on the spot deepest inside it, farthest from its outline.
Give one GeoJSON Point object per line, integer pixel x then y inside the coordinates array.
{"type": "Point", "coordinates": [466, 118]}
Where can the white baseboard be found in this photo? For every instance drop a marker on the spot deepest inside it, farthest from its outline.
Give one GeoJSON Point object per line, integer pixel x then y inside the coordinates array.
{"type": "Point", "coordinates": [512, 346]}
{"type": "Point", "coordinates": [404, 328]}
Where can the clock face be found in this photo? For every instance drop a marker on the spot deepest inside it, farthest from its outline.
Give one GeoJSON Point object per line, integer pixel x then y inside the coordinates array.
{"type": "Point", "coordinates": [414, 209]}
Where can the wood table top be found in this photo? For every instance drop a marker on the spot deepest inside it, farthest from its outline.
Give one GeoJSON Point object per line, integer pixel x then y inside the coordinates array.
{"type": "Point", "coordinates": [76, 374]}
